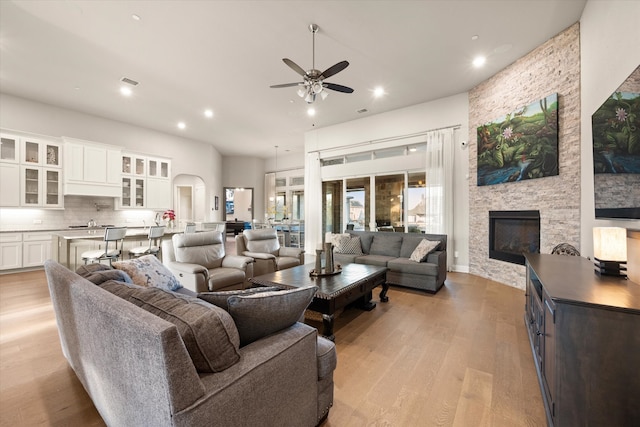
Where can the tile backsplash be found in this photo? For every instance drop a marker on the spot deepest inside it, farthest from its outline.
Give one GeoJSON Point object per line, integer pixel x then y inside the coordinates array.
{"type": "Point", "coordinates": [78, 210]}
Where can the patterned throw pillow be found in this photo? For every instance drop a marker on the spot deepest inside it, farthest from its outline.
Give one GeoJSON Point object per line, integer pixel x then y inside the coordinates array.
{"type": "Point", "coordinates": [148, 271]}
{"type": "Point", "coordinates": [347, 244]}
{"type": "Point", "coordinates": [220, 298]}
{"type": "Point", "coordinates": [264, 313]}
{"type": "Point", "coordinates": [424, 248]}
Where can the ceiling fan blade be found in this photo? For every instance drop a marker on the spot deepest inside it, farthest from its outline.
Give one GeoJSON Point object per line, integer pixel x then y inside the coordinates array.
{"type": "Point", "coordinates": [335, 69]}
{"type": "Point", "coordinates": [286, 85]}
{"type": "Point", "coordinates": [295, 67]}
{"type": "Point", "coordinates": [337, 88]}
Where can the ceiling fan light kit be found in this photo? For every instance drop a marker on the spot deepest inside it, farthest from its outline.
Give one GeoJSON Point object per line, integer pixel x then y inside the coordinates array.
{"type": "Point", "coordinates": [313, 83]}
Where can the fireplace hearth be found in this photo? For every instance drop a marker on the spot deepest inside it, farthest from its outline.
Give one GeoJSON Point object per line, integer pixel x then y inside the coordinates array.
{"type": "Point", "coordinates": [512, 234]}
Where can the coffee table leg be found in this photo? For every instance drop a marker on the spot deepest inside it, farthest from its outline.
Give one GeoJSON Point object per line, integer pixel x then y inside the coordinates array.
{"type": "Point", "coordinates": [383, 292]}
{"type": "Point", "coordinates": [327, 323]}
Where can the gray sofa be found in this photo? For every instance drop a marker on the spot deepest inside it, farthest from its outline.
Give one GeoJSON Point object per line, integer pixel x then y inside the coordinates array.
{"type": "Point", "coordinates": [392, 250]}
{"type": "Point", "coordinates": [139, 372]}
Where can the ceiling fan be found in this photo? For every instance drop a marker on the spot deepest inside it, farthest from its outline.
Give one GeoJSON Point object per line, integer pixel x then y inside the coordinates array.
{"type": "Point", "coordinates": [313, 81]}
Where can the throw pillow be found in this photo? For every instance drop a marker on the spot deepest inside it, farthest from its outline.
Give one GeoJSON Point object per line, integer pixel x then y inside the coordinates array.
{"type": "Point", "coordinates": [348, 244]}
{"type": "Point", "coordinates": [208, 331]}
{"type": "Point", "coordinates": [102, 276]}
{"type": "Point", "coordinates": [150, 272]}
{"type": "Point", "coordinates": [424, 248]}
{"type": "Point", "coordinates": [264, 313]}
{"type": "Point", "coordinates": [220, 298]}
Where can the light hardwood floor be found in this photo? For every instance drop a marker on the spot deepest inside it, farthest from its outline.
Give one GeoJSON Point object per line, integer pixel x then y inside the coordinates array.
{"type": "Point", "coordinates": [457, 358]}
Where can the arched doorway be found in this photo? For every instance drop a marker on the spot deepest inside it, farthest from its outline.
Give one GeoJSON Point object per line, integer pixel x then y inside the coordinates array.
{"type": "Point", "coordinates": [189, 194]}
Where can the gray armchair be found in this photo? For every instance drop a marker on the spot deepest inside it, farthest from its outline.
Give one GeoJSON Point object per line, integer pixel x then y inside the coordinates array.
{"type": "Point", "coordinates": [199, 262]}
{"type": "Point", "coordinates": [263, 246]}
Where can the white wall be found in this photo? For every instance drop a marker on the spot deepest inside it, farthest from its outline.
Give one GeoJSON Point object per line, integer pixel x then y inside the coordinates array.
{"type": "Point", "coordinates": [445, 112]}
{"type": "Point", "coordinates": [609, 51]}
{"type": "Point", "coordinates": [188, 156]}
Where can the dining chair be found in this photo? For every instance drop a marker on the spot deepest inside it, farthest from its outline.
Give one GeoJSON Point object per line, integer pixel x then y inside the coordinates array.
{"type": "Point", "coordinates": [155, 239]}
{"type": "Point", "coordinates": [190, 227]}
{"type": "Point", "coordinates": [113, 235]}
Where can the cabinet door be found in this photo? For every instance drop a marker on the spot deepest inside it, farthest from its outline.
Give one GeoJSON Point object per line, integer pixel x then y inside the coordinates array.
{"type": "Point", "coordinates": [51, 155]}
{"type": "Point", "coordinates": [125, 200]}
{"type": "Point", "coordinates": [10, 251]}
{"type": "Point", "coordinates": [113, 167]}
{"type": "Point", "coordinates": [139, 192]}
{"type": "Point", "coordinates": [9, 185]}
{"type": "Point", "coordinates": [52, 185]}
{"type": "Point", "coordinates": [74, 162]}
{"type": "Point", "coordinates": [31, 152]}
{"type": "Point", "coordinates": [36, 249]}
{"type": "Point", "coordinates": [158, 193]}
{"type": "Point", "coordinates": [549, 354]}
{"type": "Point", "coordinates": [31, 186]}
{"type": "Point", "coordinates": [9, 148]}
{"type": "Point", "coordinates": [158, 168]}
{"type": "Point", "coordinates": [95, 165]}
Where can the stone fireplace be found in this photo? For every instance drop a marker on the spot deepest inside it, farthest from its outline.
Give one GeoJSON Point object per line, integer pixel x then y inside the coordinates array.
{"type": "Point", "coordinates": [512, 234]}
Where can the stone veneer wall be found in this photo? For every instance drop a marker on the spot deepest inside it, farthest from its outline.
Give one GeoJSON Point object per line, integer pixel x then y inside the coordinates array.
{"type": "Point", "coordinates": [553, 67]}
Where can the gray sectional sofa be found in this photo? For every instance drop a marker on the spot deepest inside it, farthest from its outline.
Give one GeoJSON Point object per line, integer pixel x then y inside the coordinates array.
{"type": "Point", "coordinates": [393, 250]}
{"type": "Point", "coordinates": [139, 368]}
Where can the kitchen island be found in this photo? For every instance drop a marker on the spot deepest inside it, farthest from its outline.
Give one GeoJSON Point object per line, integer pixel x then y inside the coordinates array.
{"type": "Point", "coordinates": [68, 245]}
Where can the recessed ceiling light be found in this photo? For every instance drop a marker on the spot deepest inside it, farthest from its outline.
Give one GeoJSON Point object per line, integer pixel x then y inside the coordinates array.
{"type": "Point", "coordinates": [311, 111]}
{"type": "Point", "coordinates": [136, 17]}
{"type": "Point", "coordinates": [413, 149]}
{"type": "Point", "coordinates": [181, 125]}
{"type": "Point", "coordinates": [208, 113]}
{"type": "Point", "coordinates": [475, 37]}
{"type": "Point", "coordinates": [378, 92]}
{"type": "Point", "coordinates": [479, 61]}
{"type": "Point", "coordinates": [125, 91]}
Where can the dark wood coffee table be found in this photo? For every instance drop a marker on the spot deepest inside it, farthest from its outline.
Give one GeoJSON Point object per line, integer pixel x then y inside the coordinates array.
{"type": "Point", "coordinates": [353, 285]}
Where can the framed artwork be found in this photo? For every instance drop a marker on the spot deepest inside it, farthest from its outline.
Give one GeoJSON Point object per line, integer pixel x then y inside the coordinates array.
{"type": "Point", "coordinates": [616, 152]}
{"type": "Point", "coordinates": [520, 145]}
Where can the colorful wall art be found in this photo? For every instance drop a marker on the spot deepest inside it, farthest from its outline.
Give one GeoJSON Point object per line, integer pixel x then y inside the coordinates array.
{"type": "Point", "coordinates": [521, 145]}
{"type": "Point", "coordinates": [616, 152]}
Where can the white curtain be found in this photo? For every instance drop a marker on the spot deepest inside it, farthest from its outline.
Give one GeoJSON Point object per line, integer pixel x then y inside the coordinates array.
{"type": "Point", "coordinates": [312, 202]}
{"type": "Point", "coordinates": [439, 186]}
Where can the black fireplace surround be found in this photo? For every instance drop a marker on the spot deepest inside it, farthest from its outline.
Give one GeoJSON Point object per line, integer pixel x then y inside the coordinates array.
{"type": "Point", "coordinates": [512, 234]}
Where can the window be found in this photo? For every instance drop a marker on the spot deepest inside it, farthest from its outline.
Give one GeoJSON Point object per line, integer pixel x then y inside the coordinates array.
{"type": "Point", "coordinates": [390, 202]}
{"type": "Point", "coordinates": [358, 202]}
{"type": "Point", "coordinates": [416, 202]}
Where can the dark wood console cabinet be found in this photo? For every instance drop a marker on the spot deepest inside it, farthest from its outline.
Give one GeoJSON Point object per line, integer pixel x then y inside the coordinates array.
{"type": "Point", "coordinates": [584, 331]}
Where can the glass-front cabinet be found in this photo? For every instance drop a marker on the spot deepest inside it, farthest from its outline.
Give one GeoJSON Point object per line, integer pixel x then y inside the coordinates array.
{"type": "Point", "coordinates": [41, 187]}
{"type": "Point", "coordinates": [41, 153]}
{"type": "Point", "coordinates": [158, 168]}
{"type": "Point", "coordinates": [132, 192]}
{"type": "Point", "coordinates": [9, 148]}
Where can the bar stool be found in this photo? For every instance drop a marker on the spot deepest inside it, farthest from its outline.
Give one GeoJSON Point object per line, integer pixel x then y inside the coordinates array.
{"type": "Point", "coordinates": [190, 228]}
{"type": "Point", "coordinates": [111, 234]}
{"type": "Point", "coordinates": [155, 239]}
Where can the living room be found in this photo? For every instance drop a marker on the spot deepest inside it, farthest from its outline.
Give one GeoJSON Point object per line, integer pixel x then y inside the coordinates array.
{"type": "Point", "coordinates": [582, 78]}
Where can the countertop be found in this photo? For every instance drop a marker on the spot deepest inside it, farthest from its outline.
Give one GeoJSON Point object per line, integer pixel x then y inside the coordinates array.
{"type": "Point", "coordinates": [95, 233]}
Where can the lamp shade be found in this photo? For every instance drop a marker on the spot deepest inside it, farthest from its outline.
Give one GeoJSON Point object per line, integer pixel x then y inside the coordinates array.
{"type": "Point", "coordinates": [610, 243]}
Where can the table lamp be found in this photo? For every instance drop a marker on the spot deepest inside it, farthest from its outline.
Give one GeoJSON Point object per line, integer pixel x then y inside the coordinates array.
{"type": "Point", "coordinates": [610, 251]}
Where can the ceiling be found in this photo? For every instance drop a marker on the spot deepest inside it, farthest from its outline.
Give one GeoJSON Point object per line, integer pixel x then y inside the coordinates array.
{"type": "Point", "coordinates": [224, 55]}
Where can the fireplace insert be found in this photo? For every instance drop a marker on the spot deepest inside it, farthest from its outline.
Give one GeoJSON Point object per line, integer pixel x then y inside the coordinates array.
{"type": "Point", "coordinates": [512, 234]}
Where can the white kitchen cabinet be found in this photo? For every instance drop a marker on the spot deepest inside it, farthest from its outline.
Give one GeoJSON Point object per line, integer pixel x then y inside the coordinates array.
{"type": "Point", "coordinates": [146, 182]}
{"type": "Point", "coordinates": [40, 152]}
{"type": "Point", "coordinates": [158, 168]}
{"type": "Point", "coordinates": [36, 248]}
{"type": "Point", "coordinates": [158, 194]}
{"type": "Point", "coordinates": [9, 185]}
{"type": "Point", "coordinates": [91, 169]}
{"type": "Point", "coordinates": [10, 251]}
{"type": "Point", "coordinates": [9, 148]}
{"type": "Point", "coordinates": [41, 187]}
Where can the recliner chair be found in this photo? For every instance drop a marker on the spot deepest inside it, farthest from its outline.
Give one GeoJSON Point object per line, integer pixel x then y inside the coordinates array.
{"type": "Point", "coordinates": [263, 246]}
{"type": "Point", "coordinates": [199, 262]}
